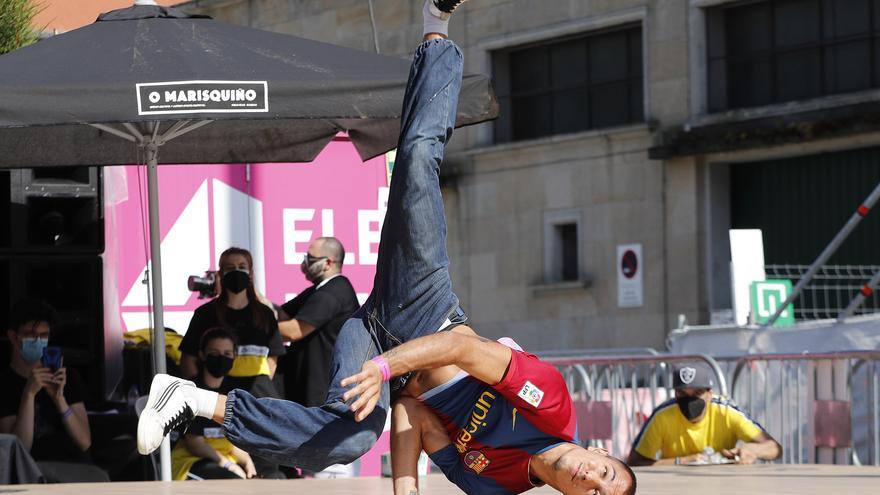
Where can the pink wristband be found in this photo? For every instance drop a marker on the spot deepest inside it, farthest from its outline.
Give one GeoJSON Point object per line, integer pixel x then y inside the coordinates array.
{"type": "Point", "coordinates": [67, 413]}
{"type": "Point", "coordinates": [383, 365]}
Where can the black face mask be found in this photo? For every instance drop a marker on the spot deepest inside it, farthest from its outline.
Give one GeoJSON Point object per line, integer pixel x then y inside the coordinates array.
{"type": "Point", "coordinates": [218, 365]}
{"type": "Point", "coordinates": [236, 281]}
{"type": "Point", "coordinates": [691, 407]}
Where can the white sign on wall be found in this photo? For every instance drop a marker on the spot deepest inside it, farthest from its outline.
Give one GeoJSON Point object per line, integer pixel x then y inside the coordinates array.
{"type": "Point", "coordinates": [629, 276]}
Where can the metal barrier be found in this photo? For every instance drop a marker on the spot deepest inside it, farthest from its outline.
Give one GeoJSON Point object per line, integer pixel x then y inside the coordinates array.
{"type": "Point", "coordinates": [830, 290]}
{"type": "Point", "coordinates": [822, 407]}
{"type": "Point", "coordinates": [616, 351]}
{"type": "Point", "coordinates": [614, 395]}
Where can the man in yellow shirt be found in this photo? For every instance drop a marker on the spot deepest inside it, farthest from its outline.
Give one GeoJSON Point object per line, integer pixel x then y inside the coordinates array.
{"type": "Point", "coordinates": [680, 430]}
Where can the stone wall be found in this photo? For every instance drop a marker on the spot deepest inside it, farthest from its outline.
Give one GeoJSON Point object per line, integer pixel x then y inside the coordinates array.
{"type": "Point", "coordinates": [498, 195]}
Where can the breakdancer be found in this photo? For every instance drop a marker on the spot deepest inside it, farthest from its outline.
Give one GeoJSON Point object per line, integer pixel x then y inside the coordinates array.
{"type": "Point", "coordinates": [412, 299]}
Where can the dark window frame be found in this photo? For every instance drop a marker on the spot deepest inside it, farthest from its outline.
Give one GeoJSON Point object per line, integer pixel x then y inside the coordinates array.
{"type": "Point", "coordinates": [563, 247]}
{"type": "Point", "coordinates": [568, 251]}
{"type": "Point", "coordinates": [509, 126]}
{"type": "Point", "coordinates": [720, 62]}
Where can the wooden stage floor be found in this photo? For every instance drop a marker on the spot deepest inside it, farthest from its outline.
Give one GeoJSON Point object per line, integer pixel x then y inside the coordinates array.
{"type": "Point", "coordinates": [708, 480]}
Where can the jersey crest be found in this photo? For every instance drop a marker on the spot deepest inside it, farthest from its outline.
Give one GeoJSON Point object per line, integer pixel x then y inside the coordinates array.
{"type": "Point", "coordinates": [476, 461]}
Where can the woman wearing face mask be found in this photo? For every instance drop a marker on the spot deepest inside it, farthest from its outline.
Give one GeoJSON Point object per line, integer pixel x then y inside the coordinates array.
{"type": "Point", "coordinates": [204, 452]}
{"type": "Point", "coordinates": [238, 309]}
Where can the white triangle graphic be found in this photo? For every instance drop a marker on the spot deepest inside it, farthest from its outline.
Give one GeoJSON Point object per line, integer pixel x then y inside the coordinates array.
{"type": "Point", "coordinates": [185, 251]}
{"type": "Point", "coordinates": [238, 221]}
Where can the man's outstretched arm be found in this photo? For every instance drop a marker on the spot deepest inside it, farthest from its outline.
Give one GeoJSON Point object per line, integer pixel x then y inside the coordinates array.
{"type": "Point", "coordinates": [483, 359]}
{"type": "Point", "coordinates": [413, 428]}
{"type": "Point", "coordinates": [761, 447]}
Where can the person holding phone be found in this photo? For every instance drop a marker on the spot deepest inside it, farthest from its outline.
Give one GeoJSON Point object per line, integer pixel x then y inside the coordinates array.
{"type": "Point", "coordinates": [43, 406]}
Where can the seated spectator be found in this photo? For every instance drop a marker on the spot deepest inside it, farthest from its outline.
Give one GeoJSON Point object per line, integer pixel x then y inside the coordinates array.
{"type": "Point", "coordinates": [204, 452]}
{"type": "Point", "coordinates": [681, 430]}
{"type": "Point", "coordinates": [44, 408]}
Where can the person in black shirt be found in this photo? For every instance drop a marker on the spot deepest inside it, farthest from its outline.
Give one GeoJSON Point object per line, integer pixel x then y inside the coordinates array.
{"type": "Point", "coordinates": [252, 322]}
{"type": "Point", "coordinates": [317, 314]}
{"type": "Point", "coordinates": [44, 408]}
{"type": "Point", "coordinates": [204, 453]}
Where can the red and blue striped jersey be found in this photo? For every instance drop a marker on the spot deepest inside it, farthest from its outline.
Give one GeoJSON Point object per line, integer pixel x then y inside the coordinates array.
{"type": "Point", "coordinates": [495, 430]}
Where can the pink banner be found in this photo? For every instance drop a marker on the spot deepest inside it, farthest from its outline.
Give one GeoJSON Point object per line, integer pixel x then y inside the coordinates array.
{"type": "Point", "coordinates": [273, 210]}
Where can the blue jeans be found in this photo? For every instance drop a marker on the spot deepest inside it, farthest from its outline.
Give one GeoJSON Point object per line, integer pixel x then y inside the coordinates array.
{"type": "Point", "coordinates": [412, 291]}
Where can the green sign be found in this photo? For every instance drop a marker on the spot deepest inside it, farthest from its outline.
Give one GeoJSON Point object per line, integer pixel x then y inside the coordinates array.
{"type": "Point", "coordinates": [766, 297]}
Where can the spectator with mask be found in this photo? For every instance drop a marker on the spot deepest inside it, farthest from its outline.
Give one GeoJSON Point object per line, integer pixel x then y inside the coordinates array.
{"type": "Point", "coordinates": [238, 309]}
{"type": "Point", "coordinates": [44, 407]}
{"type": "Point", "coordinates": [316, 316]}
{"type": "Point", "coordinates": [203, 452]}
{"type": "Point", "coordinates": [694, 425]}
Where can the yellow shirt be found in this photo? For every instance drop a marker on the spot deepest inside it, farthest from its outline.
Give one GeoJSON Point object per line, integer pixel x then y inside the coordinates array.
{"type": "Point", "coordinates": [250, 360]}
{"type": "Point", "coordinates": [669, 434]}
{"type": "Point", "coordinates": [182, 459]}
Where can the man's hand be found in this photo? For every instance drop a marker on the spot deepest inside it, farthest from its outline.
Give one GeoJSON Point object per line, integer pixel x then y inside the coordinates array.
{"type": "Point", "coordinates": [741, 455]}
{"type": "Point", "coordinates": [367, 388]}
{"type": "Point", "coordinates": [39, 378]}
{"type": "Point", "coordinates": [698, 458]}
{"type": "Point", "coordinates": [55, 387]}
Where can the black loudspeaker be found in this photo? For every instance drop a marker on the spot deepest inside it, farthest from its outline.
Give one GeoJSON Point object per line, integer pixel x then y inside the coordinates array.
{"type": "Point", "coordinates": [50, 249]}
{"type": "Point", "coordinates": [54, 210]}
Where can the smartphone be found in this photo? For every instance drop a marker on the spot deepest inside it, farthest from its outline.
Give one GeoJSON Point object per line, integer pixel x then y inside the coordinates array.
{"type": "Point", "coordinates": [52, 358]}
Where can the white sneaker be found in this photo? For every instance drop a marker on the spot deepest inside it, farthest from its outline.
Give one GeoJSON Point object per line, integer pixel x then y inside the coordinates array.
{"type": "Point", "coordinates": [167, 408]}
{"type": "Point", "coordinates": [444, 8]}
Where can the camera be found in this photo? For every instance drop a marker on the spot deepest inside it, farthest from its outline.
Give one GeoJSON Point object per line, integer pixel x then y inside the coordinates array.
{"type": "Point", "coordinates": [206, 286]}
{"type": "Point", "coordinates": [52, 358]}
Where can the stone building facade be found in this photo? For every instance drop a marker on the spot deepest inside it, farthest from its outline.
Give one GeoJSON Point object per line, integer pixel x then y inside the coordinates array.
{"type": "Point", "coordinates": [626, 122]}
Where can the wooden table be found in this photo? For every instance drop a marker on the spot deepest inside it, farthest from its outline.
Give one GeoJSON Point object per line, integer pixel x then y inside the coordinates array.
{"type": "Point", "coordinates": [706, 480]}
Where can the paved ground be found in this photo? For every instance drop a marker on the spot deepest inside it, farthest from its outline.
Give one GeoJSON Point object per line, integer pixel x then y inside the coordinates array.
{"type": "Point", "coordinates": [710, 480]}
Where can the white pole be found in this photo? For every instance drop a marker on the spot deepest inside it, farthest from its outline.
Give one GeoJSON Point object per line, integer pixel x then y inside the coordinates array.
{"type": "Point", "coordinates": [156, 277]}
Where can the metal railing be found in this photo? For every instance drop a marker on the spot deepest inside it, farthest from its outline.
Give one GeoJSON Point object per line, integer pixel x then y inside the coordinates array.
{"type": "Point", "coordinates": [626, 388]}
{"type": "Point", "coordinates": [616, 351]}
{"type": "Point", "coordinates": [786, 393]}
{"type": "Point", "coordinates": [830, 290]}
{"type": "Point", "coordinates": [826, 254]}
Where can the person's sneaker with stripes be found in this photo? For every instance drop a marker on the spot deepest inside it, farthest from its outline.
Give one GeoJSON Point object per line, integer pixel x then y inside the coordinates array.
{"type": "Point", "coordinates": [168, 407]}
{"type": "Point", "coordinates": [444, 8]}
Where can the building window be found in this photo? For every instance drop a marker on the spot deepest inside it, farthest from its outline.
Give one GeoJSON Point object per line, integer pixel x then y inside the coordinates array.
{"type": "Point", "coordinates": [783, 50]}
{"type": "Point", "coordinates": [569, 85]}
{"type": "Point", "coordinates": [561, 247]}
{"type": "Point", "coordinates": [568, 253]}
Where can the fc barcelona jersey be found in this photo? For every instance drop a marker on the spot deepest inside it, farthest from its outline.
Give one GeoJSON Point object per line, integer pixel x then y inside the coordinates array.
{"type": "Point", "coordinates": [496, 429]}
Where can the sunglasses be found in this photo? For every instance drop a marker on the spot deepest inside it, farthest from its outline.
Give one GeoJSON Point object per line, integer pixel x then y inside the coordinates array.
{"type": "Point", "coordinates": [309, 259]}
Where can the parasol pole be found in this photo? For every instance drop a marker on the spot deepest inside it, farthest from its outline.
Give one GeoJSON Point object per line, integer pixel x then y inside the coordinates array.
{"type": "Point", "coordinates": [152, 149]}
{"type": "Point", "coordinates": [150, 143]}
